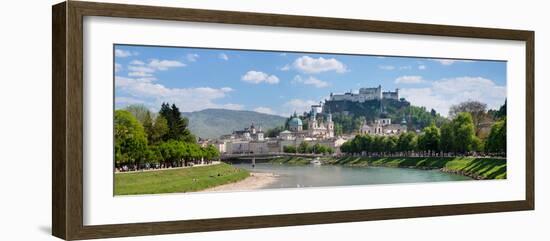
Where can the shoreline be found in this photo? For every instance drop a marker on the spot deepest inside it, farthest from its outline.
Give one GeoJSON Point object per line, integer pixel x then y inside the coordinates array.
{"type": "Point", "coordinates": [464, 166]}
{"type": "Point", "coordinates": [477, 168]}
{"type": "Point", "coordinates": [256, 180]}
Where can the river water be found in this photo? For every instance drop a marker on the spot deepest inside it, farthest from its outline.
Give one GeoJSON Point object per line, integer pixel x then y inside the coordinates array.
{"type": "Point", "coordinates": [291, 176]}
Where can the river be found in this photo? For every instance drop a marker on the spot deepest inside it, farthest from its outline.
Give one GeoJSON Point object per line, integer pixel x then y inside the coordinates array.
{"type": "Point", "coordinates": [291, 176]}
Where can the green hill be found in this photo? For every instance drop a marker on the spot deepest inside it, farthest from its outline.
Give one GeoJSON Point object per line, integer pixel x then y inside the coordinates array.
{"type": "Point", "coordinates": [349, 115]}
{"type": "Point", "coordinates": [211, 123]}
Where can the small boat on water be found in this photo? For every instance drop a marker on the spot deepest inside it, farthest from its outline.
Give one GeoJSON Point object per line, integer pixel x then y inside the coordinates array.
{"type": "Point", "coordinates": [316, 161]}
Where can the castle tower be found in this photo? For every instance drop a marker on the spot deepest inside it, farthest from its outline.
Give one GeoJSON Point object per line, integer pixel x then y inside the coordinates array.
{"type": "Point", "coordinates": [397, 93]}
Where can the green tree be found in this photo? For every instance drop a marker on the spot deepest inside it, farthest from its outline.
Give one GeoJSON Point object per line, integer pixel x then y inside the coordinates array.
{"type": "Point", "coordinates": [430, 139]}
{"type": "Point", "coordinates": [476, 109]}
{"type": "Point", "coordinates": [356, 144]}
{"type": "Point", "coordinates": [447, 138]}
{"type": "Point", "coordinates": [130, 139]}
{"type": "Point", "coordinates": [158, 130]}
{"type": "Point", "coordinates": [378, 144]}
{"type": "Point", "coordinates": [211, 153]}
{"type": "Point", "coordinates": [319, 149]}
{"type": "Point", "coordinates": [346, 147]}
{"type": "Point", "coordinates": [289, 149]}
{"type": "Point", "coordinates": [406, 142]}
{"type": "Point", "coordinates": [274, 132]}
{"type": "Point", "coordinates": [496, 142]}
{"type": "Point", "coordinates": [139, 111]}
{"type": "Point", "coordinates": [500, 113]}
{"type": "Point", "coordinates": [464, 132]}
{"type": "Point", "coordinates": [477, 144]}
{"type": "Point", "coordinates": [366, 143]}
{"type": "Point", "coordinates": [147, 123]}
{"type": "Point", "coordinates": [153, 155]}
{"type": "Point", "coordinates": [176, 123]}
{"type": "Point", "coordinates": [346, 123]}
{"type": "Point", "coordinates": [338, 129]}
{"type": "Point", "coordinates": [390, 144]}
{"type": "Point", "coordinates": [304, 147]}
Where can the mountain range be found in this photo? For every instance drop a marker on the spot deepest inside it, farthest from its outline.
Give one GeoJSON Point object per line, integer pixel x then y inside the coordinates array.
{"type": "Point", "coordinates": [212, 123]}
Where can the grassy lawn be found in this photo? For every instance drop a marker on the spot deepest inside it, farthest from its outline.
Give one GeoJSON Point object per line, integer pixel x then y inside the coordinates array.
{"type": "Point", "coordinates": [177, 180]}
{"type": "Point", "coordinates": [486, 168]}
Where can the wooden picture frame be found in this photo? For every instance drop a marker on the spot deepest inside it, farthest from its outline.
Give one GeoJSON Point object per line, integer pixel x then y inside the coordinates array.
{"type": "Point", "coordinates": [67, 123]}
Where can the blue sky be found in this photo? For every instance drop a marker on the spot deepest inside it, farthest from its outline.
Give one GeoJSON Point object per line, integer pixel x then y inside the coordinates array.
{"type": "Point", "coordinates": [283, 82]}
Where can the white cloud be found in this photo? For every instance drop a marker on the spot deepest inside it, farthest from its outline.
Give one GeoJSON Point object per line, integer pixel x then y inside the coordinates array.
{"type": "Point", "coordinates": [285, 68]}
{"type": "Point", "coordinates": [141, 69]}
{"type": "Point", "coordinates": [448, 62]}
{"type": "Point", "coordinates": [226, 89]}
{"type": "Point", "coordinates": [231, 106]}
{"type": "Point", "coordinates": [311, 81]}
{"type": "Point", "coordinates": [223, 56]}
{"type": "Point", "coordinates": [317, 65]}
{"type": "Point", "coordinates": [297, 105]}
{"type": "Point", "coordinates": [264, 110]}
{"type": "Point", "coordinates": [256, 77]}
{"type": "Point", "coordinates": [187, 99]}
{"type": "Point", "coordinates": [192, 57]}
{"type": "Point", "coordinates": [139, 74]}
{"type": "Point", "coordinates": [409, 79]}
{"type": "Point", "coordinates": [165, 64]}
{"type": "Point", "coordinates": [422, 67]}
{"type": "Point", "coordinates": [118, 67]}
{"type": "Point", "coordinates": [386, 67]}
{"type": "Point", "coordinates": [123, 53]}
{"type": "Point", "coordinates": [391, 67]}
{"type": "Point", "coordinates": [125, 101]}
{"type": "Point", "coordinates": [446, 92]}
{"type": "Point", "coordinates": [137, 62]}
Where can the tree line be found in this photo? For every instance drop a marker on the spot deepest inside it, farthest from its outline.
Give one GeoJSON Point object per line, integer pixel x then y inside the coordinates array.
{"type": "Point", "coordinates": [456, 137]}
{"type": "Point", "coordinates": [306, 148]}
{"type": "Point", "coordinates": [144, 141]}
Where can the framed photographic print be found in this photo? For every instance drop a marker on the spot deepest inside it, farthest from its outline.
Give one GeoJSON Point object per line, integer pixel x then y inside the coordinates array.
{"type": "Point", "coordinates": [210, 120]}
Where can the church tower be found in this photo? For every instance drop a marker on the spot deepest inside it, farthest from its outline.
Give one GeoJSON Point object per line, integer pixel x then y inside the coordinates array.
{"type": "Point", "coordinates": [330, 126]}
{"type": "Point", "coordinates": [312, 124]}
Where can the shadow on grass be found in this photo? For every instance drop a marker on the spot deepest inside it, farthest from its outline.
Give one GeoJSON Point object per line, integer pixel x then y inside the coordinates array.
{"type": "Point", "coordinates": [487, 168]}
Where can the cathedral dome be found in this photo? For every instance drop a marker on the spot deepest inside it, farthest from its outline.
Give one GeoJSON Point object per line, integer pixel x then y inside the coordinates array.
{"type": "Point", "coordinates": [295, 121]}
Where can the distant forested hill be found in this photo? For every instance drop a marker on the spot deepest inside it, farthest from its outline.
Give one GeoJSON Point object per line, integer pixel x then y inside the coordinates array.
{"type": "Point", "coordinates": [211, 123]}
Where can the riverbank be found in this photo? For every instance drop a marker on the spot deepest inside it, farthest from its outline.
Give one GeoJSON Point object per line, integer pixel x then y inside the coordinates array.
{"type": "Point", "coordinates": [256, 180]}
{"type": "Point", "coordinates": [474, 167]}
{"type": "Point", "coordinates": [291, 160]}
{"type": "Point", "coordinates": [190, 179]}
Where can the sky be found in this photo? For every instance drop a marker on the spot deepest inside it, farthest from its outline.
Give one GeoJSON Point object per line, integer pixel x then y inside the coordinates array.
{"type": "Point", "coordinates": [280, 83]}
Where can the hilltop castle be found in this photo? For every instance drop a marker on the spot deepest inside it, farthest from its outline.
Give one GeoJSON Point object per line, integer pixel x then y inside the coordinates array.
{"type": "Point", "coordinates": [366, 94]}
